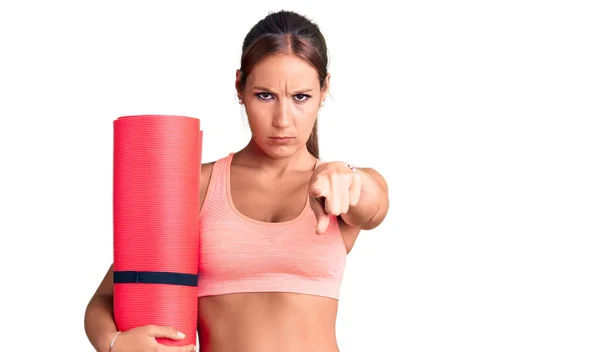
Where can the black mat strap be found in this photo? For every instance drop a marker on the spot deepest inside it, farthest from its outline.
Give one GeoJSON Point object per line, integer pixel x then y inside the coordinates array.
{"type": "Point", "coordinates": [155, 277]}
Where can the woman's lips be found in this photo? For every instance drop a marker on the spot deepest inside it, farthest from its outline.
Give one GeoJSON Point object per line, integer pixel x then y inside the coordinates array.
{"type": "Point", "coordinates": [281, 139]}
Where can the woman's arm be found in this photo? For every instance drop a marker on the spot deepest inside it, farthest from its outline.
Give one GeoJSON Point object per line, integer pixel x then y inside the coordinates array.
{"type": "Point", "coordinates": [358, 195]}
{"type": "Point", "coordinates": [101, 329]}
{"type": "Point", "coordinates": [99, 323]}
{"type": "Point", "coordinates": [373, 204]}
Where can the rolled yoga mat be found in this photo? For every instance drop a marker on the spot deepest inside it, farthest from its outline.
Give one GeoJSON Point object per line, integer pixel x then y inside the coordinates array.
{"type": "Point", "coordinates": [156, 205]}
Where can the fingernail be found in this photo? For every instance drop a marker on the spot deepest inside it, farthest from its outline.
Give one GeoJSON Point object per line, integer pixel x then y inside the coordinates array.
{"type": "Point", "coordinates": [180, 334]}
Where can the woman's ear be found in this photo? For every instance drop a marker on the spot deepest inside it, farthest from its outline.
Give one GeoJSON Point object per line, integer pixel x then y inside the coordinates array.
{"type": "Point", "coordinates": [238, 83]}
{"type": "Point", "coordinates": [325, 88]}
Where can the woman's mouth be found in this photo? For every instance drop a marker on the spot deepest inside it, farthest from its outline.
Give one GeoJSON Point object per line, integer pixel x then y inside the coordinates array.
{"type": "Point", "coordinates": [281, 139]}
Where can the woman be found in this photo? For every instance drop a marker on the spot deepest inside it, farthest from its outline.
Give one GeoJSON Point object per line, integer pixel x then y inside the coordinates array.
{"type": "Point", "coordinates": [276, 223]}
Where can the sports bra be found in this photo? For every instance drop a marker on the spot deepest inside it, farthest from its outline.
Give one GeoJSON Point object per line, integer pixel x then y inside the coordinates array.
{"type": "Point", "coordinates": [241, 254]}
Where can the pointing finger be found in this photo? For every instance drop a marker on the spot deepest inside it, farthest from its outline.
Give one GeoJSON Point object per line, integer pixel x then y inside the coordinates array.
{"type": "Point", "coordinates": [320, 214]}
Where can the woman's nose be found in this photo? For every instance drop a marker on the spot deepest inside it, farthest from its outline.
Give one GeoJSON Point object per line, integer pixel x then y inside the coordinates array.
{"type": "Point", "coordinates": [282, 116]}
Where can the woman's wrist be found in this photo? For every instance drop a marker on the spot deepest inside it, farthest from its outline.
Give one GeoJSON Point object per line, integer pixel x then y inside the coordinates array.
{"type": "Point", "coordinates": [107, 341]}
{"type": "Point", "coordinates": [112, 341]}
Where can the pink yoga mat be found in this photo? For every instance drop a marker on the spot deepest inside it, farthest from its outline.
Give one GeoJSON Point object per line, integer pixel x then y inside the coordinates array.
{"type": "Point", "coordinates": [156, 203]}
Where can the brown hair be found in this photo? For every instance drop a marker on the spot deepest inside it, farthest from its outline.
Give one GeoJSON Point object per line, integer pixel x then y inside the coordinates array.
{"type": "Point", "coordinates": [286, 32]}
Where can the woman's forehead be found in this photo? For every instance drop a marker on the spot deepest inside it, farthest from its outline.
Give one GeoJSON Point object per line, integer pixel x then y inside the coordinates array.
{"type": "Point", "coordinates": [284, 69]}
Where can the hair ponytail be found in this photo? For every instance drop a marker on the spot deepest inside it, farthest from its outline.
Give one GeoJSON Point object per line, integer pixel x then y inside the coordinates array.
{"type": "Point", "coordinates": [312, 144]}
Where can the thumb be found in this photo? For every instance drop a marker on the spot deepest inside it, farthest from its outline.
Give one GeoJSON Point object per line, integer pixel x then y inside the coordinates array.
{"type": "Point", "coordinates": [320, 214]}
{"type": "Point", "coordinates": [317, 191]}
{"type": "Point", "coordinates": [166, 332]}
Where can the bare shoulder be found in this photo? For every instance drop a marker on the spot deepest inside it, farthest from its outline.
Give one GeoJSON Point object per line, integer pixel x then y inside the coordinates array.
{"type": "Point", "coordinates": [205, 173]}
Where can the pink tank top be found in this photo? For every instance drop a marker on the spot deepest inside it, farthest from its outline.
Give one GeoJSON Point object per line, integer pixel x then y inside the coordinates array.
{"type": "Point", "coordinates": [240, 254]}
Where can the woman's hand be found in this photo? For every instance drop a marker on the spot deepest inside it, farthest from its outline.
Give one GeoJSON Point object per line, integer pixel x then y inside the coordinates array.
{"type": "Point", "coordinates": [143, 339]}
{"type": "Point", "coordinates": [334, 187]}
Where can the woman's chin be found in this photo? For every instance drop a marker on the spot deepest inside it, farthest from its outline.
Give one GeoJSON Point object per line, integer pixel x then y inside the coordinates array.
{"type": "Point", "coordinates": [280, 151]}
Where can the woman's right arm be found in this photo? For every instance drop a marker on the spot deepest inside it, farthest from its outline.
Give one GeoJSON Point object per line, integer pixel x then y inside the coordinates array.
{"type": "Point", "coordinates": [100, 326]}
{"type": "Point", "coordinates": [99, 322]}
{"type": "Point", "coordinates": [99, 319]}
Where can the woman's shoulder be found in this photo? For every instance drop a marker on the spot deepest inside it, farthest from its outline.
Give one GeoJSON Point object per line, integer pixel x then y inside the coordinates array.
{"type": "Point", "coordinates": [208, 165]}
{"type": "Point", "coordinates": [206, 171]}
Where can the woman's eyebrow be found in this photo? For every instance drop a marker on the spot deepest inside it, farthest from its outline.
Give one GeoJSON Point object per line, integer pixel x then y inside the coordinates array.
{"type": "Point", "coordinates": [303, 90]}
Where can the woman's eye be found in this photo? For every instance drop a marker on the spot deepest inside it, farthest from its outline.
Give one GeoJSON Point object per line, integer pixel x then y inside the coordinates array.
{"type": "Point", "coordinates": [302, 97]}
{"type": "Point", "coordinates": [264, 96]}
{"type": "Point", "coordinates": [268, 96]}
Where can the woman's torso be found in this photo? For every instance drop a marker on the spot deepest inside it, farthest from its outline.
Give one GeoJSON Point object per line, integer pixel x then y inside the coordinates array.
{"type": "Point", "coordinates": [242, 320]}
{"type": "Point", "coordinates": [267, 322]}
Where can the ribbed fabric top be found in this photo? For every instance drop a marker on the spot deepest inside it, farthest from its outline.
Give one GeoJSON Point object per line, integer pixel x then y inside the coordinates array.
{"type": "Point", "coordinates": [241, 254]}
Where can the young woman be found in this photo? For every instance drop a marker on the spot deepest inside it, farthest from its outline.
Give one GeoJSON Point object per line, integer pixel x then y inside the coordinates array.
{"type": "Point", "coordinates": [276, 223]}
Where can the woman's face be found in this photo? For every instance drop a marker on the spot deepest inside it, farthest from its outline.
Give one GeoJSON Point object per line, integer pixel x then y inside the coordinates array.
{"type": "Point", "coordinates": [282, 98]}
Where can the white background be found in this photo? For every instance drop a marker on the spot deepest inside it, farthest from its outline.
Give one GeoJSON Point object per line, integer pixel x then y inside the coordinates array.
{"type": "Point", "coordinates": [483, 117]}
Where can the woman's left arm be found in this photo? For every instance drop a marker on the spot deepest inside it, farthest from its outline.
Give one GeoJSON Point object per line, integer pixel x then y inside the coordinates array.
{"type": "Point", "coordinates": [373, 203]}
{"type": "Point", "coordinates": [358, 195]}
